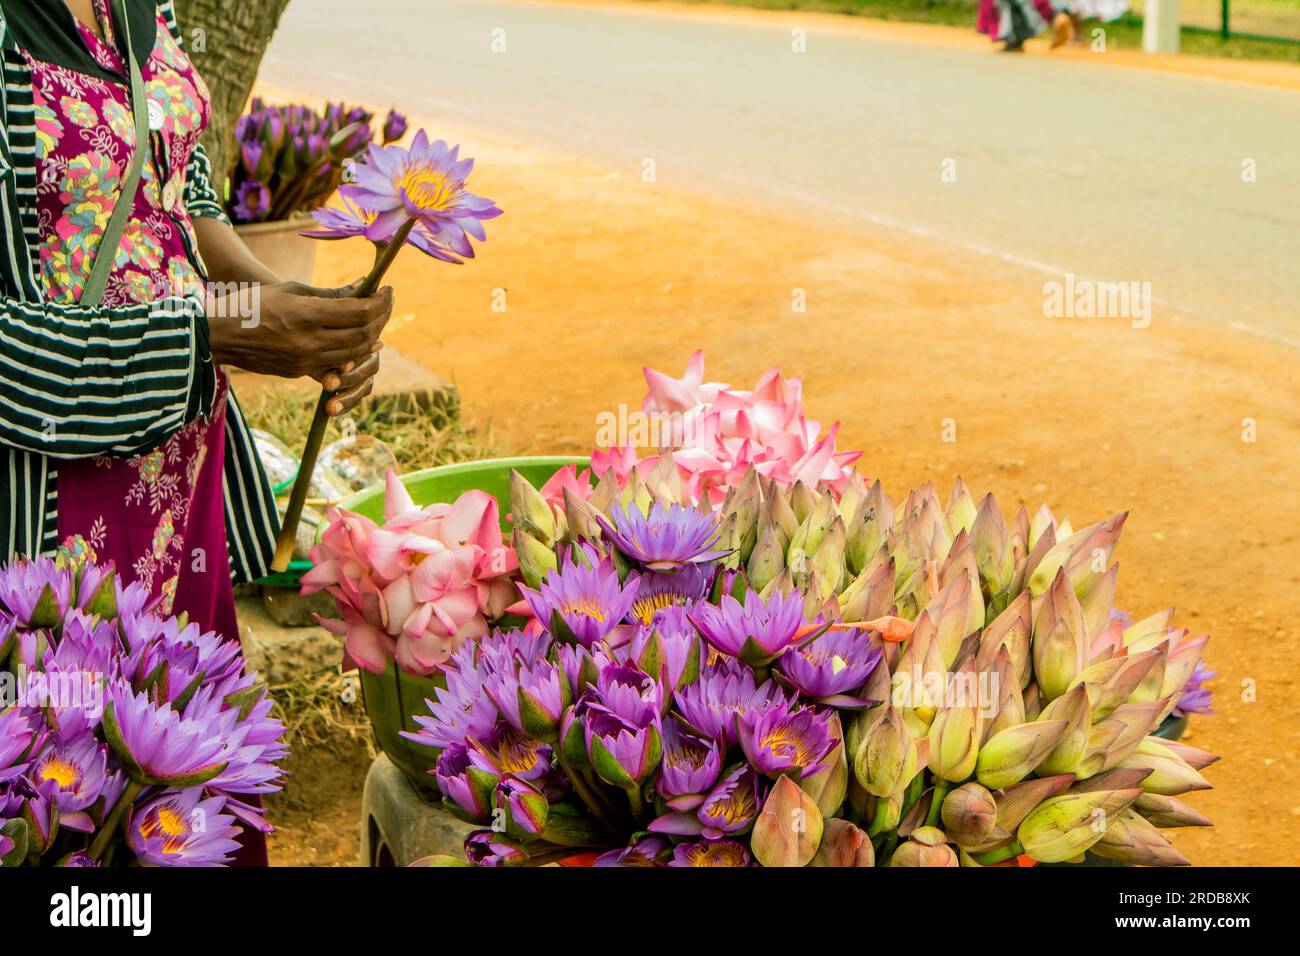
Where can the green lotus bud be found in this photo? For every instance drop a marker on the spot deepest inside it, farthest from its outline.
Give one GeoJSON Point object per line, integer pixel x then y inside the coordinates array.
{"type": "Point", "coordinates": [1059, 647]}
{"type": "Point", "coordinates": [803, 501]}
{"type": "Point", "coordinates": [956, 731]}
{"type": "Point", "coordinates": [1170, 774]}
{"type": "Point", "coordinates": [828, 787]}
{"type": "Point", "coordinates": [536, 560]}
{"type": "Point", "coordinates": [1164, 811]}
{"type": "Point", "coordinates": [1061, 828]}
{"type": "Point", "coordinates": [843, 845]}
{"type": "Point", "coordinates": [885, 760]}
{"type": "Point", "coordinates": [788, 830]}
{"type": "Point", "coordinates": [530, 511]}
{"type": "Point", "coordinates": [1133, 722]}
{"type": "Point", "coordinates": [828, 560]}
{"type": "Point", "coordinates": [871, 595]}
{"type": "Point", "coordinates": [1071, 707]}
{"type": "Point", "coordinates": [1151, 631]}
{"type": "Point", "coordinates": [1182, 660]}
{"type": "Point", "coordinates": [778, 513]}
{"type": "Point", "coordinates": [1195, 756]}
{"type": "Point", "coordinates": [1012, 755]}
{"type": "Point", "coordinates": [926, 846]}
{"type": "Point", "coordinates": [969, 814]}
{"type": "Point", "coordinates": [864, 532]}
{"type": "Point", "coordinates": [767, 559]}
{"type": "Point", "coordinates": [961, 510]}
{"type": "Point", "coordinates": [1014, 803]}
{"type": "Point", "coordinates": [1010, 629]}
{"type": "Point", "coordinates": [1132, 839]}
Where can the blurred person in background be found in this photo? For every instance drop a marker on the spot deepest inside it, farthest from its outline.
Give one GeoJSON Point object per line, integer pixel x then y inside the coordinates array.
{"type": "Point", "coordinates": [1012, 22]}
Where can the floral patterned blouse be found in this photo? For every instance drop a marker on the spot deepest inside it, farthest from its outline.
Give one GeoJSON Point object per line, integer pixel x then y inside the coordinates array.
{"type": "Point", "coordinates": [158, 516]}
{"type": "Point", "coordinates": [85, 138]}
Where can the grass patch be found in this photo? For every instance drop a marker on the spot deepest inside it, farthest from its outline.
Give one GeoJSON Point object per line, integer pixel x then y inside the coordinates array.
{"type": "Point", "coordinates": [320, 709]}
{"type": "Point", "coordinates": [423, 429]}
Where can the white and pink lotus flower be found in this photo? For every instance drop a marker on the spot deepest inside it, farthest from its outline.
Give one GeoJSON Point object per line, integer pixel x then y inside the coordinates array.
{"type": "Point", "coordinates": [417, 587]}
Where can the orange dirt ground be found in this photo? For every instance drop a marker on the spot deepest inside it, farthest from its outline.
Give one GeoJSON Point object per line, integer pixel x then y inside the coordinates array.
{"type": "Point", "coordinates": [604, 273]}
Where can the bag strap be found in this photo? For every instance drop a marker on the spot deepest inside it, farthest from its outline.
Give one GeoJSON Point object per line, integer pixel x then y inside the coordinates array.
{"type": "Point", "coordinates": [93, 293]}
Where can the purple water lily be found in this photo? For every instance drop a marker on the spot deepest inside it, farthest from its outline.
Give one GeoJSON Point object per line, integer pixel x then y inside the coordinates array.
{"type": "Point", "coordinates": [489, 848]}
{"type": "Point", "coordinates": [532, 698]}
{"type": "Point", "coordinates": [183, 828]}
{"type": "Point", "coordinates": [675, 650]}
{"type": "Point", "coordinates": [756, 631]}
{"type": "Point", "coordinates": [729, 809]}
{"type": "Point", "coordinates": [1196, 697]}
{"type": "Point", "coordinates": [662, 592]}
{"type": "Point", "coordinates": [17, 733]}
{"type": "Point", "coordinates": [157, 745]}
{"type": "Point", "coordinates": [724, 690]}
{"type": "Point", "coordinates": [463, 710]}
{"type": "Point", "coordinates": [690, 766]}
{"type": "Point", "coordinates": [622, 753]}
{"type": "Point", "coordinates": [829, 667]}
{"type": "Point", "coordinates": [712, 853]}
{"type": "Point", "coordinates": [666, 539]}
{"type": "Point", "coordinates": [35, 593]}
{"type": "Point", "coordinates": [79, 770]}
{"type": "Point", "coordinates": [507, 751]}
{"type": "Point", "coordinates": [252, 201]}
{"type": "Point", "coordinates": [525, 806]}
{"type": "Point", "coordinates": [394, 127]}
{"type": "Point", "coordinates": [585, 598]}
{"type": "Point", "coordinates": [647, 851]}
{"type": "Point", "coordinates": [629, 693]}
{"type": "Point", "coordinates": [466, 785]}
{"type": "Point", "coordinates": [426, 183]}
{"type": "Point", "coordinates": [780, 740]}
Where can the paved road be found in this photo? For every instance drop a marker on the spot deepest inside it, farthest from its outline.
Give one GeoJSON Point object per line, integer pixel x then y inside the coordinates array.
{"type": "Point", "coordinates": [1110, 173]}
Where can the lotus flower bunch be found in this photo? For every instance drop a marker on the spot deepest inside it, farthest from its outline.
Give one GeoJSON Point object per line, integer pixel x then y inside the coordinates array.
{"type": "Point", "coordinates": [808, 675]}
{"type": "Point", "coordinates": [291, 158]}
{"type": "Point", "coordinates": [125, 735]}
{"type": "Point", "coordinates": [714, 434]}
{"type": "Point", "coordinates": [420, 585]}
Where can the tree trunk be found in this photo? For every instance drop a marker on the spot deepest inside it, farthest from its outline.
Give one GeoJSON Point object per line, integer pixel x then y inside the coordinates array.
{"type": "Point", "coordinates": [226, 40]}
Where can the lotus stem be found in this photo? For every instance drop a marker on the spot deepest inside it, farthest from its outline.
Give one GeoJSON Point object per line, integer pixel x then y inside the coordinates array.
{"type": "Point", "coordinates": [635, 802]}
{"type": "Point", "coordinates": [385, 254]}
{"type": "Point", "coordinates": [1012, 849]}
{"type": "Point", "coordinates": [98, 845]}
{"type": "Point", "coordinates": [585, 792]}
{"type": "Point", "coordinates": [941, 788]}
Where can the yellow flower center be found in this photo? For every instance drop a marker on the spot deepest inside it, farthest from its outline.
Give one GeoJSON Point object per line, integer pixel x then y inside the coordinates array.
{"type": "Point", "coordinates": [585, 607]}
{"type": "Point", "coordinates": [63, 772]}
{"type": "Point", "coordinates": [645, 608]}
{"type": "Point", "coordinates": [429, 188]}
{"type": "Point", "coordinates": [172, 826]}
{"type": "Point", "coordinates": [789, 746]}
{"type": "Point", "coordinates": [716, 855]}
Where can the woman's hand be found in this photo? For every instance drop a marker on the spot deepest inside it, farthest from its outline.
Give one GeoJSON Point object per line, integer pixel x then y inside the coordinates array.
{"type": "Point", "coordinates": [296, 330]}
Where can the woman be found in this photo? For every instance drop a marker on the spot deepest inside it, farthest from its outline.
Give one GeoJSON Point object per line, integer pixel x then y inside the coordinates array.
{"type": "Point", "coordinates": [118, 433]}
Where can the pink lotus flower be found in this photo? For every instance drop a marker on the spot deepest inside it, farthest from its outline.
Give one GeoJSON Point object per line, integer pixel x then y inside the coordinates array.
{"type": "Point", "coordinates": [418, 587]}
{"type": "Point", "coordinates": [723, 432]}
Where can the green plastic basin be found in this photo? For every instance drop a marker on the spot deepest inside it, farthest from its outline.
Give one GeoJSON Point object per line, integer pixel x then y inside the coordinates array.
{"type": "Point", "coordinates": [393, 698]}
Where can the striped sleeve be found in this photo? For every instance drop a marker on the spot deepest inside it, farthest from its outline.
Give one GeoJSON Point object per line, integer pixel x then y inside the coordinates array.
{"type": "Point", "coordinates": [78, 382]}
{"type": "Point", "coordinates": [252, 522]}
{"type": "Point", "coordinates": [201, 198]}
